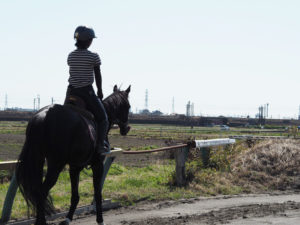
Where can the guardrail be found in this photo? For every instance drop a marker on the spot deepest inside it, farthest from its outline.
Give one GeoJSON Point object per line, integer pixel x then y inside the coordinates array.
{"type": "Point", "coordinates": [181, 153]}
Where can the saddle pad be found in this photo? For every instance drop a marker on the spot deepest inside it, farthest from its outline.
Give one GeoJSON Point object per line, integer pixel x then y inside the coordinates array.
{"type": "Point", "coordinates": [89, 120]}
{"type": "Point", "coordinates": [91, 128]}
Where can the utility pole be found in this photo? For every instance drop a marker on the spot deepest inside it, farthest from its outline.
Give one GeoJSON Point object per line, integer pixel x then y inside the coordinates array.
{"type": "Point", "coordinates": [173, 106]}
{"type": "Point", "coordinates": [6, 102]}
{"type": "Point", "coordinates": [38, 103]}
{"type": "Point", "coordinates": [146, 99]}
{"type": "Point", "coordinates": [192, 109]}
{"type": "Point", "coordinates": [52, 101]}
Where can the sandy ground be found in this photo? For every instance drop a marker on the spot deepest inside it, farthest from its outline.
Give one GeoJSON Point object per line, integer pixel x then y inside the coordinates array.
{"type": "Point", "coordinates": [261, 209]}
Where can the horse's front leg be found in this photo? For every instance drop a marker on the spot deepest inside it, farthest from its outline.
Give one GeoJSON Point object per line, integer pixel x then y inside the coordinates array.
{"type": "Point", "coordinates": [97, 175]}
{"type": "Point", "coordinates": [74, 176]}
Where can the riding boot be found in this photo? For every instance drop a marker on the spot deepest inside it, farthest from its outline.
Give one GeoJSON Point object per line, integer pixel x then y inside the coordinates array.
{"type": "Point", "coordinates": [102, 145]}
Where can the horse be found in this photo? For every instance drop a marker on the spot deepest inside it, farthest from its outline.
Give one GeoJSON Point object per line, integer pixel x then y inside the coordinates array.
{"type": "Point", "coordinates": [60, 135]}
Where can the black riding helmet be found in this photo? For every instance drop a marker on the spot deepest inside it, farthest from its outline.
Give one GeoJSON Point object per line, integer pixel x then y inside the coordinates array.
{"type": "Point", "coordinates": [83, 33]}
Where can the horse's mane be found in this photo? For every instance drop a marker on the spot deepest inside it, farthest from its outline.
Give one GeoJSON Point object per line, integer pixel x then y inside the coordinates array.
{"type": "Point", "coordinates": [114, 100]}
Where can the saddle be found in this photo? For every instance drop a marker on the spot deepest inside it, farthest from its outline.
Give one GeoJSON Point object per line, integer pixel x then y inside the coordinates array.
{"type": "Point", "coordinates": [77, 104]}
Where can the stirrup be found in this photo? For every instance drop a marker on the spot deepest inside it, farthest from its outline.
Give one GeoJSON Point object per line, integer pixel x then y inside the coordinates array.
{"type": "Point", "coordinates": [105, 149]}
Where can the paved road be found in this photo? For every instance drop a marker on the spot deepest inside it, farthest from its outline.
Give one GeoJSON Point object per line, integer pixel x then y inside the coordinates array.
{"type": "Point", "coordinates": [283, 209]}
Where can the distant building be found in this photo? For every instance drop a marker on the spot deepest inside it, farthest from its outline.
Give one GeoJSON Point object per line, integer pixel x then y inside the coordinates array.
{"type": "Point", "coordinates": [17, 109]}
{"type": "Point", "coordinates": [157, 113]}
{"type": "Point", "coordinates": [145, 112]}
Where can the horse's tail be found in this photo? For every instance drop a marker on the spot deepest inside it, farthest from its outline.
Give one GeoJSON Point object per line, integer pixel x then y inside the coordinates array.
{"type": "Point", "coordinates": [29, 170]}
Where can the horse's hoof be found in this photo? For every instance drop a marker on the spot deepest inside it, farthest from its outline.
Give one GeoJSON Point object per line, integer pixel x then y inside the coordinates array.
{"type": "Point", "coordinates": [65, 222]}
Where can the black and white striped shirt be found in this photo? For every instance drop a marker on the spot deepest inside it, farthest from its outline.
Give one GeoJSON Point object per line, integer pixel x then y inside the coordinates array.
{"type": "Point", "coordinates": [82, 63]}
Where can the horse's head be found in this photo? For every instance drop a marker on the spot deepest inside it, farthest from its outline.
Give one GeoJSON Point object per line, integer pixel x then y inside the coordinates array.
{"type": "Point", "coordinates": [117, 108]}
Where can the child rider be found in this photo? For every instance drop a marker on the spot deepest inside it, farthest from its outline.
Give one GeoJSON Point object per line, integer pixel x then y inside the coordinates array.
{"type": "Point", "coordinates": [84, 68]}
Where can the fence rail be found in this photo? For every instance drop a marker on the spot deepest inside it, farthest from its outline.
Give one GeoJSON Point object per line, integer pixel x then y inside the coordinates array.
{"type": "Point", "coordinates": [8, 165]}
{"type": "Point", "coordinates": [174, 147]}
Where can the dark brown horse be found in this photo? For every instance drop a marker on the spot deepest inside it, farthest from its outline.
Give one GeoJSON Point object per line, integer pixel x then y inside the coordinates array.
{"type": "Point", "coordinates": [61, 136]}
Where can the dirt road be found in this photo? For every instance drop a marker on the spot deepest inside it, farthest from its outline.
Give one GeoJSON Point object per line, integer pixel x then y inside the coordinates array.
{"type": "Point", "coordinates": [259, 209]}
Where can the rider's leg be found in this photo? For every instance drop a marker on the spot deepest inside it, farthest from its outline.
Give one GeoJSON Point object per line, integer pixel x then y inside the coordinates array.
{"type": "Point", "coordinates": [96, 107]}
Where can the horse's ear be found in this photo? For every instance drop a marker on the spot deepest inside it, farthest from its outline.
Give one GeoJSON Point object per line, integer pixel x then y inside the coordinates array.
{"type": "Point", "coordinates": [115, 88]}
{"type": "Point", "coordinates": [128, 89]}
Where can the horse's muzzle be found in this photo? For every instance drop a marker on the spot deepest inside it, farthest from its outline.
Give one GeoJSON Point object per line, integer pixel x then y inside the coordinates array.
{"type": "Point", "coordinates": [124, 128]}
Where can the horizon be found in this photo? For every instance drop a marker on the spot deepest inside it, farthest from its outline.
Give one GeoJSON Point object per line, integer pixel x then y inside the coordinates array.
{"type": "Point", "coordinates": [140, 112]}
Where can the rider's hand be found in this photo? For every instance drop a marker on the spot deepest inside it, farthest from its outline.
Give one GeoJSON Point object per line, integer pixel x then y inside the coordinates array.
{"type": "Point", "coordinates": [100, 94]}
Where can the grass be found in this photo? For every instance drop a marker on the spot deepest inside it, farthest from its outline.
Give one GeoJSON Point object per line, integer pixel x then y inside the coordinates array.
{"type": "Point", "coordinates": [270, 164]}
{"type": "Point", "coordinates": [160, 131]}
{"type": "Point", "coordinates": [124, 184]}
{"type": "Point", "coordinates": [11, 127]}
{"type": "Point", "coordinates": [145, 147]}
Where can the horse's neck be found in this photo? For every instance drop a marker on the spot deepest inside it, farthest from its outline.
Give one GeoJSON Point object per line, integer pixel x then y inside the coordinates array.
{"type": "Point", "coordinates": [110, 110]}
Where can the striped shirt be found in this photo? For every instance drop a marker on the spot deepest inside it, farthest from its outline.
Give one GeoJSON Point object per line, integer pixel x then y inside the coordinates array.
{"type": "Point", "coordinates": [82, 63]}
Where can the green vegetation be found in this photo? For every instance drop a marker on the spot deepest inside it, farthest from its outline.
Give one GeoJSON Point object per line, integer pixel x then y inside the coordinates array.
{"type": "Point", "coordinates": [177, 133]}
{"type": "Point", "coordinates": [147, 147]}
{"type": "Point", "coordinates": [124, 184]}
{"type": "Point", "coordinates": [9, 127]}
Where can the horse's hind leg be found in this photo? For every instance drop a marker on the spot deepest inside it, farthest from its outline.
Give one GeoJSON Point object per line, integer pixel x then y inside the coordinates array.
{"type": "Point", "coordinates": [97, 168]}
{"type": "Point", "coordinates": [44, 206]}
{"type": "Point", "coordinates": [74, 176]}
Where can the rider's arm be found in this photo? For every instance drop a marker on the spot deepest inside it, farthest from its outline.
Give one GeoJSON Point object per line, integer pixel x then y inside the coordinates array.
{"type": "Point", "coordinates": [98, 79]}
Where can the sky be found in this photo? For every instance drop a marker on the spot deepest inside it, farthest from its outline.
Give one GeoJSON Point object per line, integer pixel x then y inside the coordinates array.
{"type": "Point", "coordinates": [228, 57]}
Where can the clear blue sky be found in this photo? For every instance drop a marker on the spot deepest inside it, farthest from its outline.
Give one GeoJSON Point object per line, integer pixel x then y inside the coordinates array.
{"type": "Point", "coordinates": [227, 56]}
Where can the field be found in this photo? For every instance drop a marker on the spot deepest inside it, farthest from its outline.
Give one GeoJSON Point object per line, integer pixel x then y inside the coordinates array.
{"type": "Point", "coordinates": [150, 177]}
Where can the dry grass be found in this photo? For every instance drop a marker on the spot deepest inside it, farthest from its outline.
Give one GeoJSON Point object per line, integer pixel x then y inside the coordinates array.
{"type": "Point", "coordinates": [271, 164]}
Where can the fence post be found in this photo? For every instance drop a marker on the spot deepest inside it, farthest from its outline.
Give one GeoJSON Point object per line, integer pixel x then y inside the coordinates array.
{"type": "Point", "coordinates": [180, 157]}
{"type": "Point", "coordinates": [205, 153]}
{"type": "Point", "coordinates": [107, 163]}
{"type": "Point", "coordinates": [106, 166]}
{"type": "Point", "coordinates": [9, 200]}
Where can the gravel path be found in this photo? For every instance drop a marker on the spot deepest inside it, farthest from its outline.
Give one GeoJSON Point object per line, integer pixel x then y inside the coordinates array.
{"type": "Point", "coordinates": [259, 209]}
